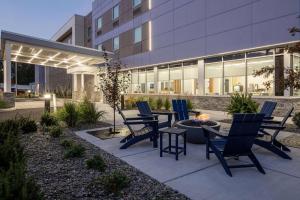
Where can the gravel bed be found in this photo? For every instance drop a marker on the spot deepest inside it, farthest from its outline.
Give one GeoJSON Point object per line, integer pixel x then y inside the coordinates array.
{"type": "Point", "coordinates": [61, 178]}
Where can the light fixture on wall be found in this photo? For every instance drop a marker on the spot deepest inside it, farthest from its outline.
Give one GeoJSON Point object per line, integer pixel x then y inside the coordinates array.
{"type": "Point", "coordinates": [150, 35]}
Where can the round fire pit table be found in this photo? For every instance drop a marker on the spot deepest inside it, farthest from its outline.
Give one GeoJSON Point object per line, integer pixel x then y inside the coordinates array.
{"type": "Point", "coordinates": [195, 132]}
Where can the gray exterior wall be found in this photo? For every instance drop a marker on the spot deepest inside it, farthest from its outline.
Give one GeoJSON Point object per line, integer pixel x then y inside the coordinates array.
{"type": "Point", "coordinates": [183, 29]}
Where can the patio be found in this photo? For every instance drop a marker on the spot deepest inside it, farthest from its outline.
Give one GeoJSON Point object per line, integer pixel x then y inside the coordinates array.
{"type": "Point", "coordinates": [199, 178]}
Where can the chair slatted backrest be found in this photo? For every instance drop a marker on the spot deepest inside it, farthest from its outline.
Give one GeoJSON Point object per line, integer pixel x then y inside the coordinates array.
{"type": "Point", "coordinates": [242, 134]}
{"type": "Point", "coordinates": [124, 119]}
{"type": "Point", "coordinates": [180, 107]}
{"type": "Point", "coordinates": [144, 108]}
{"type": "Point", "coordinates": [268, 108]}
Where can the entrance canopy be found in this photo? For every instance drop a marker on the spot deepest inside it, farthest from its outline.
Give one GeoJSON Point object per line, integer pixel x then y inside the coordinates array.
{"type": "Point", "coordinates": [26, 49]}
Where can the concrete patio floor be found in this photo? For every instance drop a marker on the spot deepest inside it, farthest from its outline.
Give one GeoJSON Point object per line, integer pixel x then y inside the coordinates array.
{"type": "Point", "coordinates": [200, 179]}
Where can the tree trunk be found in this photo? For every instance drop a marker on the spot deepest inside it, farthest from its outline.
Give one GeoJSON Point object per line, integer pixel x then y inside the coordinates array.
{"type": "Point", "coordinates": [114, 119]}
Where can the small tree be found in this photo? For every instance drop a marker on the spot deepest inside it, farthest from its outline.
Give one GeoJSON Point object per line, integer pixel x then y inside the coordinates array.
{"type": "Point", "coordinates": [113, 82]}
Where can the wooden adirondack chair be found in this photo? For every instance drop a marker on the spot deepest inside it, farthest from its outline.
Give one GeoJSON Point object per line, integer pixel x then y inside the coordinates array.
{"type": "Point", "coordinates": [273, 144]}
{"type": "Point", "coordinates": [145, 111]}
{"type": "Point", "coordinates": [268, 109]}
{"type": "Point", "coordinates": [149, 131]}
{"type": "Point", "coordinates": [181, 110]}
{"type": "Point", "coordinates": [238, 142]}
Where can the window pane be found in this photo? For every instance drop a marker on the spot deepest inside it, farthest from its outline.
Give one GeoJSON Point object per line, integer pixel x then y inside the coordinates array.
{"type": "Point", "coordinates": [136, 2]}
{"type": "Point", "coordinates": [116, 12]}
{"type": "Point", "coordinates": [150, 81]}
{"type": "Point", "coordinates": [99, 23]}
{"type": "Point", "coordinates": [175, 80]}
{"type": "Point", "coordinates": [214, 79]}
{"type": "Point", "coordinates": [255, 84]}
{"type": "Point", "coordinates": [234, 77]}
{"type": "Point", "coordinates": [99, 47]}
{"type": "Point", "coordinates": [137, 34]}
{"type": "Point", "coordinates": [190, 80]}
{"type": "Point", "coordinates": [142, 81]}
{"type": "Point", "coordinates": [163, 81]}
{"type": "Point", "coordinates": [296, 66]}
{"type": "Point", "coordinates": [116, 43]}
{"type": "Point", "coordinates": [135, 82]}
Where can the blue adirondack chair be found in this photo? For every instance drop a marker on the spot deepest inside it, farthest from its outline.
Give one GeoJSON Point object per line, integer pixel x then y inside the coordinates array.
{"type": "Point", "coordinates": [145, 111]}
{"type": "Point", "coordinates": [238, 142]}
{"type": "Point", "coordinates": [181, 110]}
{"type": "Point", "coordinates": [273, 144]}
{"type": "Point", "coordinates": [268, 109]}
{"type": "Point", "coordinates": [149, 131]}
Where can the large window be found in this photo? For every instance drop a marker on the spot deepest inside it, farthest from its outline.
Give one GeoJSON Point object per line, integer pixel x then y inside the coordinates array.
{"type": "Point", "coordinates": [135, 87]}
{"type": "Point", "coordinates": [136, 3]}
{"type": "Point", "coordinates": [214, 78]}
{"type": "Point", "coordinates": [190, 79]}
{"type": "Point", "coordinates": [99, 23]}
{"type": "Point", "coordinates": [138, 34]}
{"type": "Point", "coordinates": [163, 80]}
{"type": "Point", "coordinates": [99, 47]}
{"type": "Point", "coordinates": [234, 76]}
{"type": "Point", "coordinates": [176, 79]}
{"type": "Point", "coordinates": [115, 13]}
{"type": "Point", "coordinates": [142, 81]}
{"type": "Point", "coordinates": [256, 84]}
{"type": "Point", "coordinates": [296, 67]}
{"type": "Point", "coordinates": [116, 43]}
{"type": "Point", "coordinates": [150, 81]}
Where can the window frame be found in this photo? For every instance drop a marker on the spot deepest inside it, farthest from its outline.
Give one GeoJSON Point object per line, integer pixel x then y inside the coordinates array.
{"type": "Point", "coordinates": [113, 12]}
{"type": "Point", "coordinates": [117, 37]}
{"type": "Point", "coordinates": [141, 35]}
{"type": "Point", "coordinates": [97, 25]}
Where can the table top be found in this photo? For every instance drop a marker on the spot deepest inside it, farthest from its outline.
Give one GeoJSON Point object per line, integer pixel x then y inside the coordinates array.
{"type": "Point", "coordinates": [173, 130]}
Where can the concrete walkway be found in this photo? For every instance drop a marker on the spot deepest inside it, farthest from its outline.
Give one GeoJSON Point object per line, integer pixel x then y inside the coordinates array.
{"type": "Point", "coordinates": [201, 179]}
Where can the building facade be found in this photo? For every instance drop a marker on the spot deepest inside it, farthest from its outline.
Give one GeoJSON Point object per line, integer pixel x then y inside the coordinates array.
{"type": "Point", "coordinates": [199, 47]}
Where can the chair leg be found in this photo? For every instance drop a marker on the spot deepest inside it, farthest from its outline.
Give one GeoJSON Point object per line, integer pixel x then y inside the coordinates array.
{"type": "Point", "coordinates": [126, 138]}
{"type": "Point", "coordinates": [256, 163]}
{"type": "Point", "coordinates": [269, 146]}
{"type": "Point", "coordinates": [207, 149]}
{"type": "Point", "coordinates": [222, 160]}
{"type": "Point", "coordinates": [281, 146]}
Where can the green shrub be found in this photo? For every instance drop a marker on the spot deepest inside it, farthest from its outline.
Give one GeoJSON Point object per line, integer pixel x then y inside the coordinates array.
{"type": "Point", "coordinates": [2, 104]}
{"type": "Point", "coordinates": [152, 103]}
{"type": "Point", "coordinates": [15, 185]}
{"type": "Point", "coordinates": [130, 102]}
{"type": "Point", "coordinates": [241, 103]}
{"type": "Point", "coordinates": [48, 120]}
{"type": "Point", "coordinates": [69, 114]}
{"type": "Point", "coordinates": [66, 143]}
{"type": "Point", "coordinates": [114, 182]}
{"type": "Point", "coordinates": [8, 127]}
{"type": "Point", "coordinates": [296, 119]}
{"type": "Point", "coordinates": [27, 125]}
{"type": "Point", "coordinates": [167, 104]}
{"type": "Point", "coordinates": [189, 104]}
{"type": "Point", "coordinates": [55, 131]}
{"type": "Point", "coordinates": [76, 150]}
{"type": "Point", "coordinates": [159, 103]}
{"type": "Point", "coordinates": [96, 163]}
{"type": "Point", "coordinates": [88, 113]}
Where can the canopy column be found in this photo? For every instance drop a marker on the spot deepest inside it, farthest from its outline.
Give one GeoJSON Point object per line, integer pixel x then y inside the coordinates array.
{"type": "Point", "coordinates": [82, 83]}
{"type": "Point", "coordinates": [7, 68]}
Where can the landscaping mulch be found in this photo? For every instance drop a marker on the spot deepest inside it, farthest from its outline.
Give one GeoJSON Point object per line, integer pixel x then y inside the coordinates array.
{"type": "Point", "coordinates": [291, 141]}
{"type": "Point", "coordinates": [61, 178]}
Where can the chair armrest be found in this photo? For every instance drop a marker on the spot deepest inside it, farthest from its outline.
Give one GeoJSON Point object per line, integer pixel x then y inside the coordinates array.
{"type": "Point", "coordinates": [140, 122]}
{"type": "Point", "coordinates": [265, 126]}
{"type": "Point", "coordinates": [151, 115]}
{"type": "Point", "coordinates": [194, 112]}
{"type": "Point", "coordinates": [140, 118]}
{"type": "Point", "coordinates": [162, 113]}
{"type": "Point", "coordinates": [211, 130]}
{"type": "Point", "coordinates": [271, 122]}
{"type": "Point", "coordinates": [268, 118]}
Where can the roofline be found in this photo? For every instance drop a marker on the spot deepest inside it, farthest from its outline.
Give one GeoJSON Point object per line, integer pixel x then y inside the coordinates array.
{"type": "Point", "coordinates": [15, 37]}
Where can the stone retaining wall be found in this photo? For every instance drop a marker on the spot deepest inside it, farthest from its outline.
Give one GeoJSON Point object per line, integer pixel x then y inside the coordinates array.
{"type": "Point", "coordinates": [8, 98]}
{"type": "Point", "coordinates": [220, 103]}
